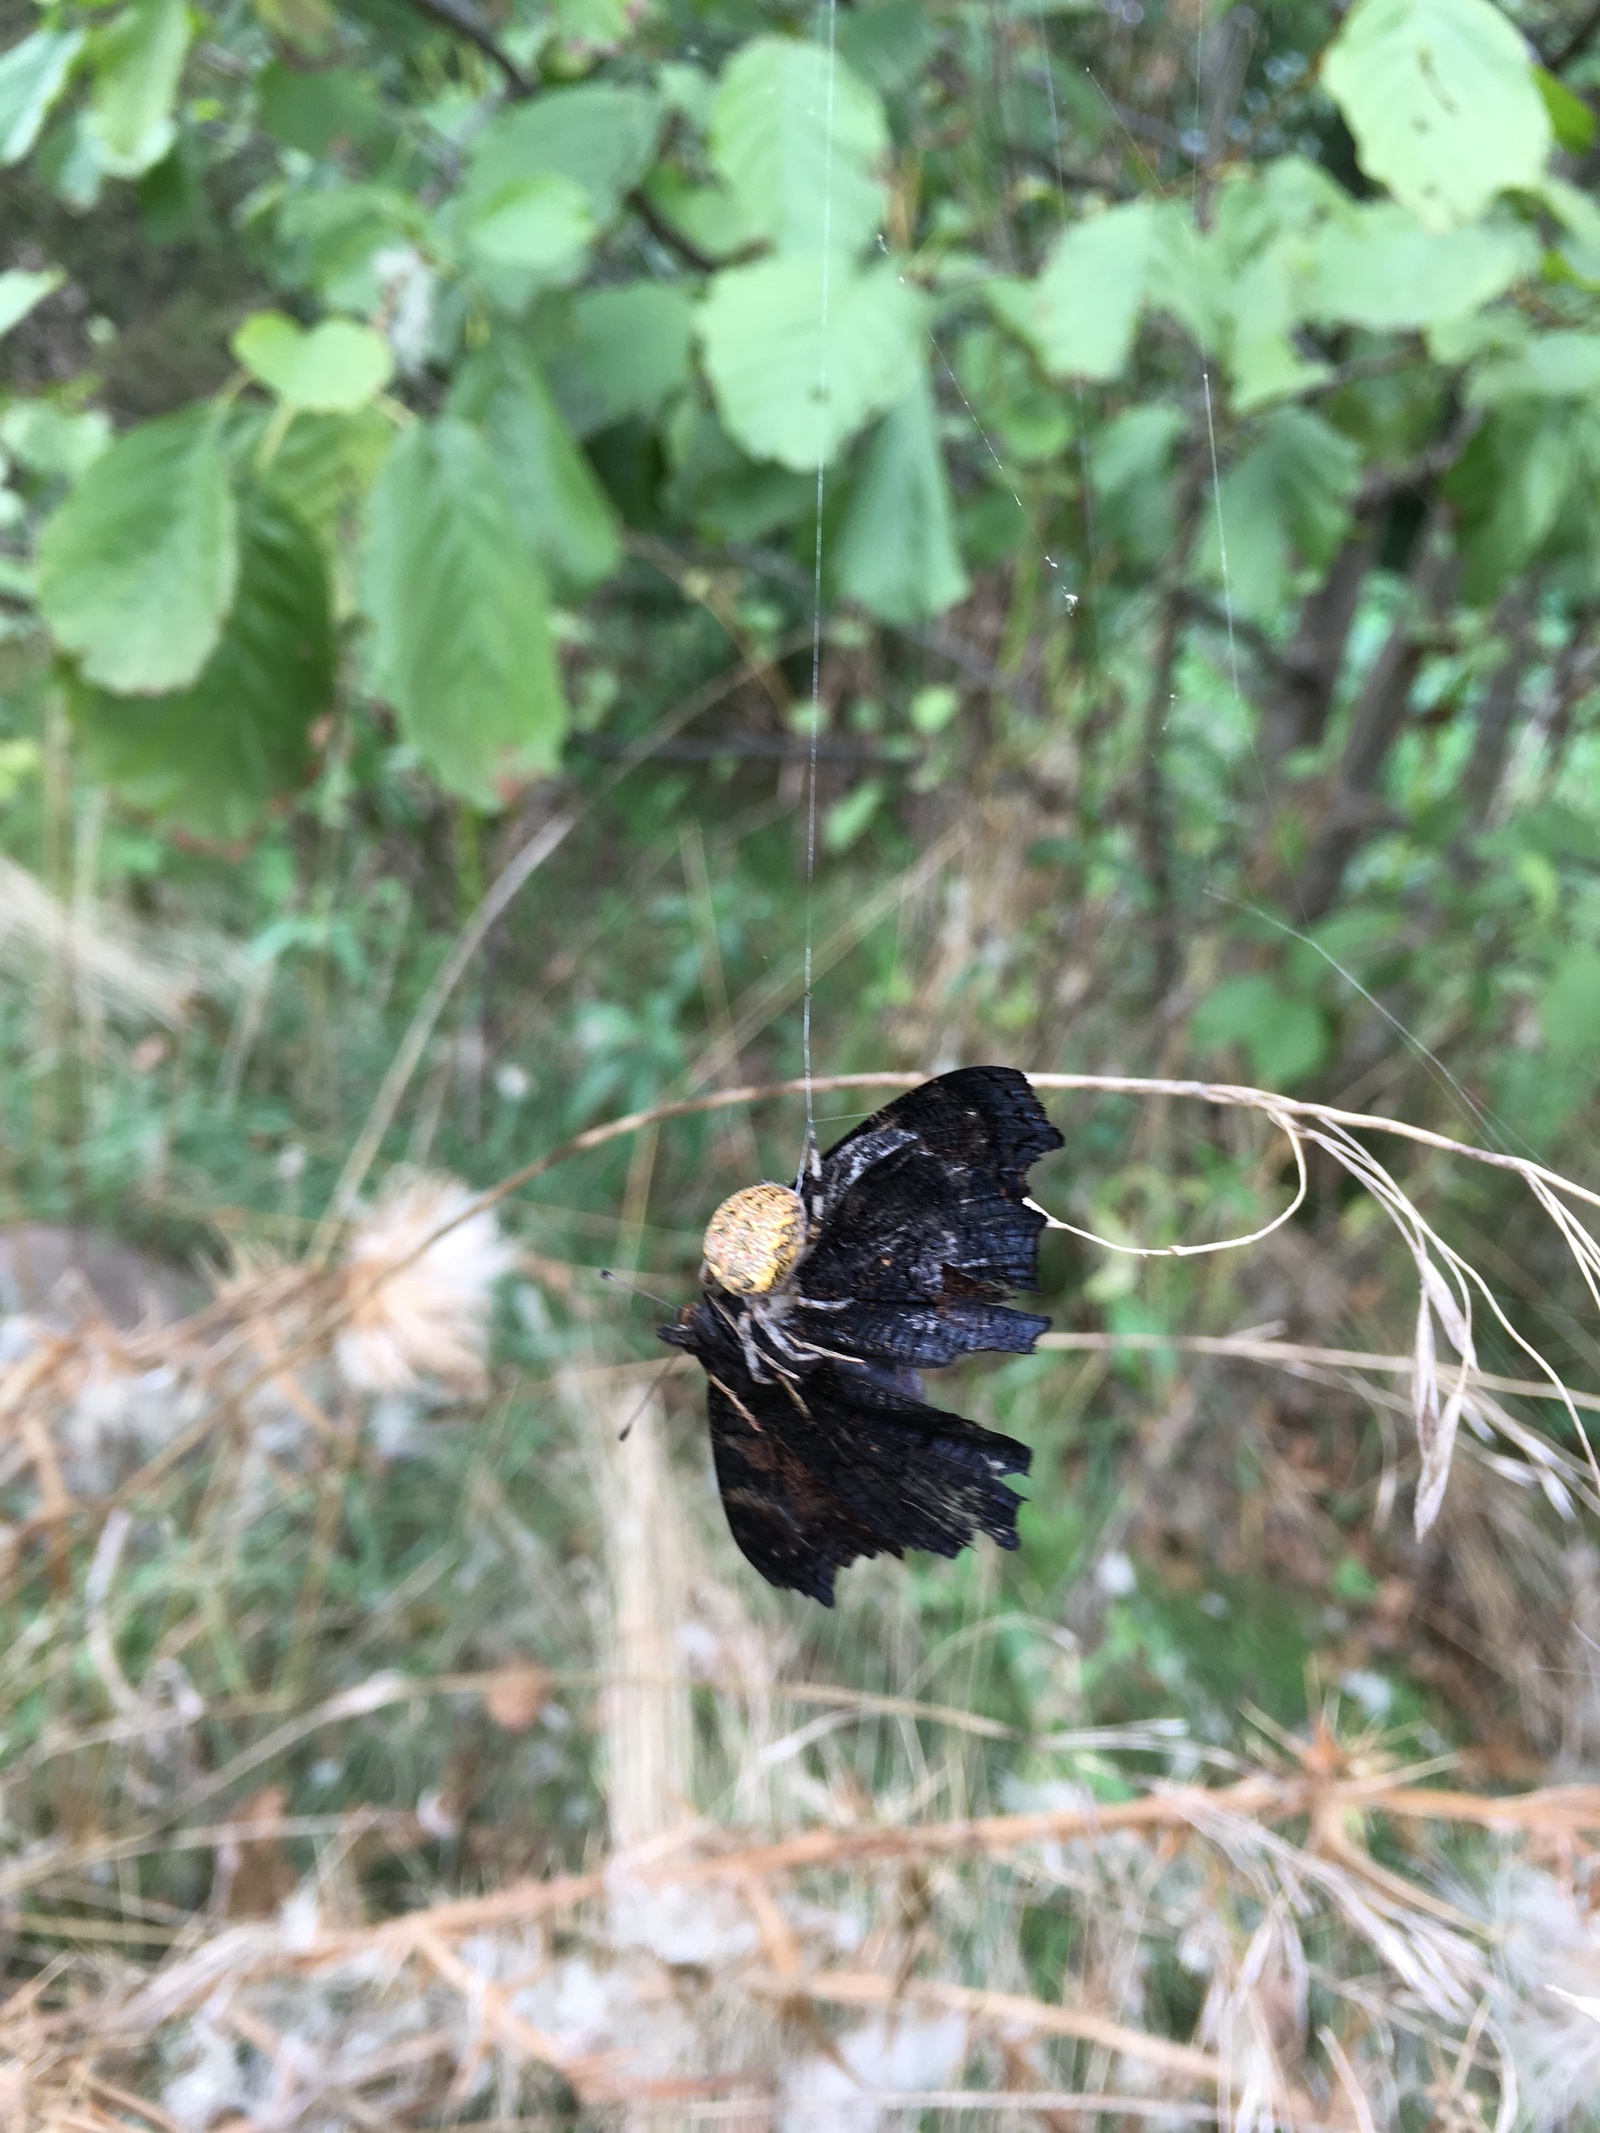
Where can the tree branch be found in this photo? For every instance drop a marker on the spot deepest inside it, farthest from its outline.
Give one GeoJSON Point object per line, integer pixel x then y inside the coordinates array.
{"type": "Point", "coordinates": [463, 18]}
{"type": "Point", "coordinates": [1498, 712]}
{"type": "Point", "coordinates": [1353, 810]}
{"type": "Point", "coordinates": [665, 233]}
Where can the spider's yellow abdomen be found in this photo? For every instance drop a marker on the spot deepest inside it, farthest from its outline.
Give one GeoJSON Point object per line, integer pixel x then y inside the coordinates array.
{"type": "Point", "coordinates": [754, 1239]}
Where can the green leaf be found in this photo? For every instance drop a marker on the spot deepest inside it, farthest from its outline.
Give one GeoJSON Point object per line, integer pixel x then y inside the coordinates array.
{"type": "Point", "coordinates": [20, 291]}
{"type": "Point", "coordinates": [1186, 273]}
{"type": "Point", "coordinates": [1569, 1010]}
{"type": "Point", "coordinates": [532, 234]}
{"type": "Point", "coordinates": [896, 552]}
{"type": "Point", "coordinates": [1507, 490]}
{"type": "Point", "coordinates": [48, 441]}
{"type": "Point", "coordinates": [323, 469]}
{"type": "Point", "coordinates": [1380, 267]}
{"type": "Point", "coordinates": [795, 134]}
{"type": "Point", "coordinates": [848, 820]}
{"type": "Point", "coordinates": [594, 26]}
{"type": "Point", "coordinates": [138, 61]}
{"type": "Point", "coordinates": [310, 109]}
{"type": "Point", "coordinates": [790, 389]}
{"type": "Point", "coordinates": [213, 757]}
{"type": "Point", "coordinates": [723, 494]}
{"type": "Point", "coordinates": [460, 627]}
{"type": "Point", "coordinates": [1290, 494]}
{"type": "Point", "coordinates": [600, 137]}
{"type": "Point", "coordinates": [1284, 1038]}
{"type": "Point", "coordinates": [332, 370]}
{"type": "Point", "coordinates": [1554, 366]}
{"type": "Point", "coordinates": [32, 75]}
{"type": "Point", "coordinates": [1264, 304]}
{"type": "Point", "coordinates": [888, 44]}
{"type": "Point", "coordinates": [137, 568]}
{"type": "Point", "coordinates": [1129, 484]}
{"type": "Point", "coordinates": [1571, 120]}
{"type": "Point", "coordinates": [1081, 312]}
{"type": "Point", "coordinates": [1441, 98]}
{"type": "Point", "coordinates": [707, 215]}
{"type": "Point", "coordinates": [564, 516]}
{"type": "Point", "coordinates": [336, 231]}
{"type": "Point", "coordinates": [627, 355]}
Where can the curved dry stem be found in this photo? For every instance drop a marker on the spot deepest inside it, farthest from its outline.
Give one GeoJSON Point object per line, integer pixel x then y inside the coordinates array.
{"type": "Point", "coordinates": [1220, 1244]}
{"type": "Point", "coordinates": [1325, 1126]}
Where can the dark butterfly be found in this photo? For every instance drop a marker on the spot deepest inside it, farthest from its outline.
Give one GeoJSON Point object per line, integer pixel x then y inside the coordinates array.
{"type": "Point", "coordinates": [821, 1304]}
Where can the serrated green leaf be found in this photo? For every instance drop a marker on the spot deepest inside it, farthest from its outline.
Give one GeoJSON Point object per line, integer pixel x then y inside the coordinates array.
{"type": "Point", "coordinates": [564, 516]}
{"type": "Point", "coordinates": [1285, 1038]}
{"type": "Point", "coordinates": [138, 60]}
{"type": "Point", "coordinates": [795, 135]}
{"type": "Point", "coordinates": [627, 354]}
{"type": "Point", "coordinates": [888, 44]}
{"type": "Point", "coordinates": [332, 370]}
{"type": "Point", "coordinates": [897, 551]}
{"type": "Point", "coordinates": [32, 76]}
{"type": "Point", "coordinates": [21, 290]}
{"type": "Point", "coordinates": [707, 215]}
{"type": "Point", "coordinates": [1185, 273]}
{"type": "Point", "coordinates": [1380, 267]}
{"type": "Point", "coordinates": [460, 625]}
{"type": "Point", "coordinates": [1507, 489]}
{"type": "Point", "coordinates": [1129, 481]}
{"type": "Point", "coordinates": [1264, 304]}
{"type": "Point", "coordinates": [599, 137]}
{"type": "Point", "coordinates": [1553, 366]}
{"type": "Point", "coordinates": [1441, 98]}
{"type": "Point", "coordinates": [790, 388]}
{"type": "Point", "coordinates": [1081, 312]}
{"type": "Point", "coordinates": [137, 568]}
{"type": "Point", "coordinates": [529, 235]}
{"type": "Point", "coordinates": [212, 758]}
{"type": "Point", "coordinates": [322, 470]}
{"type": "Point", "coordinates": [1290, 495]}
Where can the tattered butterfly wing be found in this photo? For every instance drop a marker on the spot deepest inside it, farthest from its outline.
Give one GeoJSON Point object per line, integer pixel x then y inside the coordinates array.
{"type": "Point", "coordinates": [845, 1463]}
{"type": "Point", "coordinates": [924, 1225]}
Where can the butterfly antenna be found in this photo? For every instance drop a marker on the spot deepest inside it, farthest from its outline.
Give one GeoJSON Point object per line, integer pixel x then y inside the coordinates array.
{"type": "Point", "coordinates": [640, 1405]}
{"type": "Point", "coordinates": [633, 1289]}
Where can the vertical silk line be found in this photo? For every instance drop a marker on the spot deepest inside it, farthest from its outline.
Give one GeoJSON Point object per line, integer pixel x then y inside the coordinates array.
{"type": "Point", "coordinates": [816, 587]}
{"type": "Point", "coordinates": [1202, 139]}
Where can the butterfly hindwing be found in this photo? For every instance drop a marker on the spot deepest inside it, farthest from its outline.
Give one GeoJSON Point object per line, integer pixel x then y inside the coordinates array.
{"type": "Point", "coordinates": [846, 1463]}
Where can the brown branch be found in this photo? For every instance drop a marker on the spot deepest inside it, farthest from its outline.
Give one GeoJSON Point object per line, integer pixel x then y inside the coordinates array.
{"type": "Point", "coordinates": [464, 19]}
{"type": "Point", "coordinates": [1352, 810]}
{"type": "Point", "coordinates": [667, 233]}
{"type": "Point", "coordinates": [1310, 668]}
{"type": "Point", "coordinates": [868, 1988]}
{"type": "Point", "coordinates": [1503, 699]}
